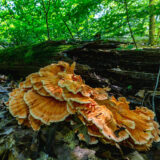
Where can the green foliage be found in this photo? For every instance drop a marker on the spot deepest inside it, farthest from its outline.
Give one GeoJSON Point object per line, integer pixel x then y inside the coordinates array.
{"type": "Point", "coordinates": [84, 131]}
{"type": "Point", "coordinates": [126, 47]}
{"type": "Point", "coordinates": [44, 156]}
{"type": "Point", "coordinates": [24, 22]}
{"type": "Point", "coordinates": [69, 138]}
{"type": "Point", "coordinates": [130, 87]}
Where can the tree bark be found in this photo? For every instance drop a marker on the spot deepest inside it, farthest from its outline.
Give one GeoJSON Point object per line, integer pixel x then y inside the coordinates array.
{"type": "Point", "coordinates": [152, 21]}
{"type": "Point", "coordinates": [126, 7]}
{"type": "Point", "coordinates": [67, 27]}
{"type": "Point", "coordinates": [46, 17]}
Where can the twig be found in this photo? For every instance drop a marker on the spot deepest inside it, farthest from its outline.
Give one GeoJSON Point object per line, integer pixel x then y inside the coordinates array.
{"type": "Point", "coordinates": [153, 104]}
{"type": "Point", "coordinates": [4, 155]}
{"type": "Point", "coordinates": [65, 23]}
{"type": "Point", "coordinates": [120, 149]}
{"type": "Point", "coordinates": [145, 95]}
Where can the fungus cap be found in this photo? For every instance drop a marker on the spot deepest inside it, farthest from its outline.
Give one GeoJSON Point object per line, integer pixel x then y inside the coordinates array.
{"type": "Point", "coordinates": [68, 96]}
{"type": "Point", "coordinates": [45, 109]}
{"type": "Point", "coordinates": [70, 109]}
{"type": "Point", "coordinates": [51, 70]}
{"type": "Point", "coordinates": [17, 105]}
{"type": "Point", "coordinates": [38, 85]}
{"type": "Point", "coordinates": [71, 86]}
{"type": "Point", "coordinates": [92, 140]}
{"type": "Point", "coordinates": [68, 69]}
{"type": "Point", "coordinates": [103, 119]}
{"type": "Point", "coordinates": [86, 90]}
{"type": "Point", "coordinates": [22, 121]}
{"type": "Point", "coordinates": [35, 123]}
{"type": "Point", "coordinates": [27, 83]}
{"type": "Point", "coordinates": [51, 86]}
{"type": "Point", "coordinates": [94, 131]}
{"type": "Point", "coordinates": [99, 94]}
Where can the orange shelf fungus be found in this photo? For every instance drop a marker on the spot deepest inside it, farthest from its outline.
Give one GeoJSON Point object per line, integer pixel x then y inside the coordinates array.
{"type": "Point", "coordinates": [70, 109]}
{"type": "Point", "coordinates": [94, 131]}
{"type": "Point", "coordinates": [137, 125]}
{"type": "Point", "coordinates": [68, 96]}
{"type": "Point", "coordinates": [51, 86]}
{"type": "Point", "coordinates": [34, 123]}
{"type": "Point", "coordinates": [23, 121]}
{"type": "Point", "coordinates": [92, 140]}
{"type": "Point", "coordinates": [27, 83]}
{"type": "Point", "coordinates": [55, 92]}
{"type": "Point", "coordinates": [68, 69]}
{"type": "Point", "coordinates": [38, 85]}
{"type": "Point", "coordinates": [70, 85]}
{"type": "Point", "coordinates": [17, 105]}
{"type": "Point", "coordinates": [103, 119]}
{"type": "Point", "coordinates": [14, 92]}
{"type": "Point", "coordinates": [51, 70]}
{"type": "Point", "coordinates": [86, 90]}
{"type": "Point", "coordinates": [45, 109]}
{"type": "Point", "coordinates": [99, 94]}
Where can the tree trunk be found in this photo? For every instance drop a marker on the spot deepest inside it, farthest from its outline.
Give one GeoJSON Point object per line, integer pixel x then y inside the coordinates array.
{"type": "Point", "coordinates": [130, 29]}
{"type": "Point", "coordinates": [152, 22]}
{"type": "Point", "coordinates": [46, 17]}
{"type": "Point", "coordinates": [67, 27]}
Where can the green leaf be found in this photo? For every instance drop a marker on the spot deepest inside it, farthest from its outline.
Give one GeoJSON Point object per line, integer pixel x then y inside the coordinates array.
{"type": "Point", "coordinates": [130, 87]}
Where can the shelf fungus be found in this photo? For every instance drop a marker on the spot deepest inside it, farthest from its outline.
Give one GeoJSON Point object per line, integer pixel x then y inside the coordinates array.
{"type": "Point", "coordinates": [90, 139]}
{"type": "Point", "coordinates": [56, 92]}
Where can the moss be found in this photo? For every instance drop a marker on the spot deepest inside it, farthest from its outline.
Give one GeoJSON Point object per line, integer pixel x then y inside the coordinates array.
{"type": "Point", "coordinates": [33, 54]}
{"type": "Point", "coordinates": [13, 55]}
{"type": "Point", "coordinates": [69, 138]}
{"type": "Point", "coordinates": [44, 156]}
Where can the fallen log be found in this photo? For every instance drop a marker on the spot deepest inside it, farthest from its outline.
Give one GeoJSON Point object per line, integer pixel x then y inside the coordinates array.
{"type": "Point", "coordinates": [139, 67]}
{"type": "Point", "coordinates": [134, 74]}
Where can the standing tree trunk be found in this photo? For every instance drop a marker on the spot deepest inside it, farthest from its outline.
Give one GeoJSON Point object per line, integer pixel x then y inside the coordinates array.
{"type": "Point", "coordinates": [67, 26]}
{"type": "Point", "coordinates": [152, 21]}
{"type": "Point", "coordinates": [130, 29]}
{"type": "Point", "coordinates": [46, 10]}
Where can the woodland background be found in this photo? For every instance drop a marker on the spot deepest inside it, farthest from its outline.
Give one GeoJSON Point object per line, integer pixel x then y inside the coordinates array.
{"type": "Point", "coordinates": [34, 21]}
{"type": "Point", "coordinates": [115, 44]}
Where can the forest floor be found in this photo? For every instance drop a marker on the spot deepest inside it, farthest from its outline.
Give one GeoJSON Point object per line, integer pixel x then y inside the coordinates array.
{"type": "Point", "coordinates": [55, 142]}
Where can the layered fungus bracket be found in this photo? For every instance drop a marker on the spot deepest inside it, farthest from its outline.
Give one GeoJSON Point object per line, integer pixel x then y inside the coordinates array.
{"type": "Point", "coordinates": [56, 92]}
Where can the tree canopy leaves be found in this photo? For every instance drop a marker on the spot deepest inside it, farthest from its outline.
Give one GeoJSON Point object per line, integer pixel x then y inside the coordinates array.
{"type": "Point", "coordinates": [25, 22]}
